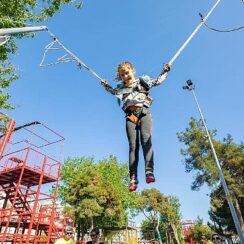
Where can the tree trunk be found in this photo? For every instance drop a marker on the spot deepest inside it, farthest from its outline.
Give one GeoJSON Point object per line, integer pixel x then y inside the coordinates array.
{"type": "Point", "coordinates": [158, 236]}
{"type": "Point", "coordinates": [238, 212]}
{"type": "Point", "coordinates": [92, 223]}
{"type": "Point", "coordinates": [84, 231]}
{"type": "Point", "coordinates": [170, 240]}
{"type": "Point", "coordinates": [78, 230]}
{"type": "Point", "coordinates": [175, 232]}
{"type": "Point", "coordinates": [166, 237]}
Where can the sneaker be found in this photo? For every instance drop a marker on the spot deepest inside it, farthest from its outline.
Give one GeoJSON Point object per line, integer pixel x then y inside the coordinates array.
{"type": "Point", "coordinates": [133, 183]}
{"type": "Point", "coordinates": [149, 176]}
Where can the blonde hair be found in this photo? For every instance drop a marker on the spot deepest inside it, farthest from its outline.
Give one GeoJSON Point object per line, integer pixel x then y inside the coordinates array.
{"type": "Point", "coordinates": [121, 66]}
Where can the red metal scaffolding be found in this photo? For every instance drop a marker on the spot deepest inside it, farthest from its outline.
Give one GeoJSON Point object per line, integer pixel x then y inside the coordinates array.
{"type": "Point", "coordinates": [28, 184]}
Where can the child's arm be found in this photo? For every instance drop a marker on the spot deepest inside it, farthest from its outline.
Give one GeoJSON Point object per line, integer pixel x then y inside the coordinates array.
{"type": "Point", "coordinates": [163, 75]}
{"type": "Point", "coordinates": [108, 87]}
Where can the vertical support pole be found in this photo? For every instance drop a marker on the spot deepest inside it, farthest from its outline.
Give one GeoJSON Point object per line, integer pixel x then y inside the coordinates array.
{"type": "Point", "coordinates": [15, 195]}
{"type": "Point", "coordinates": [6, 137]}
{"type": "Point", "coordinates": [50, 230]}
{"type": "Point", "coordinates": [33, 216]}
{"type": "Point", "coordinates": [191, 87]}
{"type": "Point", "coordinates": [222, 179]}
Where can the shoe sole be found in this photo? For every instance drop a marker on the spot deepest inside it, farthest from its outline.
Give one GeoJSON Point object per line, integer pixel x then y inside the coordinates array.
{"type": "Point", "coordinates": [132, 188]}
{"type": "Point", "coordinates": [150, 180]}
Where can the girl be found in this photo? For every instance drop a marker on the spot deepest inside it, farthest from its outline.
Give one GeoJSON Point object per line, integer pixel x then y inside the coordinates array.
{"type": "Point", "coordinates": [134, 95]}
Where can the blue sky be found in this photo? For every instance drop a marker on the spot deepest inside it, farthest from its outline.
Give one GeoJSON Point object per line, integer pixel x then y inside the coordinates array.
{"type": "Point", "coordinates": [147, 33]}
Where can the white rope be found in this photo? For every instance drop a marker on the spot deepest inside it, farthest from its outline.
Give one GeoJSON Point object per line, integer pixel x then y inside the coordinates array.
{"type": "Point", "coordinates": [63, 59]}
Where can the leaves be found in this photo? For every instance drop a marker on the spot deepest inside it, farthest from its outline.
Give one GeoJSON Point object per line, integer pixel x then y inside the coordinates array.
{"type": "Point", "coordinates": [200, 233]}
{"type": "Point", "coordinates": [156, 206]}
{"type": "Point", "coordinates": [199, 160]}
{"type": "Point", "coordinates": [97, 192]}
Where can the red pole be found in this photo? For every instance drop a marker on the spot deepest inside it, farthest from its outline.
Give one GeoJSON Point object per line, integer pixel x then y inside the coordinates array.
{"type": "Point", "coordinates": [7, 137]}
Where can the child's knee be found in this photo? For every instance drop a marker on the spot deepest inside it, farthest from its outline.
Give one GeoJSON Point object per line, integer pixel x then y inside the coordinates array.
{"type": "Point", "coordinates": [146, 139]}
{"type": "Point", "coordinates": [133, 147]}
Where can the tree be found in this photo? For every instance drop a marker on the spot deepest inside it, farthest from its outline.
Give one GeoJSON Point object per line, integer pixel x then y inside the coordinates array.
{"type": "Point", "coordinates": [200, 233]}
{"type": "Point", "coordinates": [97, 192]}
{"type": "Point", "coordinates": [199, 159]}
{"type": "Point", "coordinates": [162, 215]}
{"type": "Point", "coordinates": [15, 14]}
{"type": "Point", "coordinates": [222, 221]}
{"type": "Point", "coordinates": [172, 221]}
{"type": "Point", "coordinates": [153, 203]}
{"type": "Point", "coordinates": [147, 229]}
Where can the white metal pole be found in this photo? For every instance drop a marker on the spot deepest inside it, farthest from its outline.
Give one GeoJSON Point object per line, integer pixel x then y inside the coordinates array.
{"type": "Point", "coordinates": [18, 30]}
{"type": "Point", "coordinates": [222, 179]}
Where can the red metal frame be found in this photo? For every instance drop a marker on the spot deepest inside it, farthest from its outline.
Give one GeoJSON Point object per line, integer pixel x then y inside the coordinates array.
{"type": "Point", "coordinates": [7, 126]}
{"type": "Point", "coordinates": [26, 177]}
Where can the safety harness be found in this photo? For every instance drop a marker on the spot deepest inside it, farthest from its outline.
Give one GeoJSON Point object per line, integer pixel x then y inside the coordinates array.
{"type": "Point", "coordinates": [135, 113]}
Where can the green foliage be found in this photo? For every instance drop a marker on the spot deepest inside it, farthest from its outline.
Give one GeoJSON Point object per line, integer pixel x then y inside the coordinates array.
{"type": "Point", "coordinates": [200, 233]}
{"type": "Point", "coordinates": [198, 156]}
{"type": "Point", "coordinates": [163, 216]}
{"type": "Point", "coordinates": [7, 75]}
{"type": "Point", "coordinates": [97, 192]}
{"type": "Point", "coordinates": [153, 202]}
{"type": "Point", "coordinates": [171, 229]}
{"type": "Point", "coordinates": [116, 175]}
{"type": "Point", "coordinates": [222, 219]}
{"type": "Point", "coordinates": [15, 14]}
{"type": "Point", "coordinates": [199, 159]}
{"type": "Point", "coordinates": [147, 229]}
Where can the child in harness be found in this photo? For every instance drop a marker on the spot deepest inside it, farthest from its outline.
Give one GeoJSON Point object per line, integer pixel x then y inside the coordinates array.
{"type": "Point", "coordinates": [134, 94]}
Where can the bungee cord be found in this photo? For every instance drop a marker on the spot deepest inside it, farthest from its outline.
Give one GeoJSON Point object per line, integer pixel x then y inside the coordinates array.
{"type": "Point", "coordinates": [51, 47]}
{"type": "Point", "coordinates": [69, 56]}
{"type": "Point", "coordinates": [81, 64]}
{"type": "Point", "coordinates": [5, 35]}
{"type": "Point", "coordinates": [193, 34]}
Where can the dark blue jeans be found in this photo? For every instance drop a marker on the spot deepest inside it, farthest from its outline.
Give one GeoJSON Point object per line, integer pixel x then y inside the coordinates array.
{"type": "Point", "coordinates": [140, 134]}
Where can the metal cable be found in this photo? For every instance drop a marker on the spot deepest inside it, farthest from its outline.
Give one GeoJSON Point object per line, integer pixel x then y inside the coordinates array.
{"type": "Point", "coordinates": [218, 30]}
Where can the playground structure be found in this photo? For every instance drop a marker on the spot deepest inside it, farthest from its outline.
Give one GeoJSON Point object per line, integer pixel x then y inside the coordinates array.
{"type": "Point", "coordinates": [28, 184]}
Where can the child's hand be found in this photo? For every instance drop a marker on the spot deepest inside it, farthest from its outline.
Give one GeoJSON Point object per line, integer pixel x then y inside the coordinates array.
{"type": "Point", "coordinates": [104, 83]}
{"type": "Point", "coordinates": [167, 68]}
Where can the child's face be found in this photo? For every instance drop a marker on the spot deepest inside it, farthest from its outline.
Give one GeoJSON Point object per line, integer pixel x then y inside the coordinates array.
{"type": "Point", "coordinates": [127, 75]}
